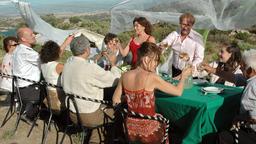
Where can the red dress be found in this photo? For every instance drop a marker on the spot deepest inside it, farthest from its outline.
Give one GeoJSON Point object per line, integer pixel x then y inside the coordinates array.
{"type": "Point", "coordinates": [143, 130]}
{"type": "Point", "coordinates": [134, 48]}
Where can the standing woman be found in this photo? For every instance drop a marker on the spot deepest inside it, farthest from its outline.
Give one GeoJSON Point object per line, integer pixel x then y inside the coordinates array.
{"type": "Point", "coordinates": [9, 44]}
{"type": "Point", "coordinates": [143, 29]}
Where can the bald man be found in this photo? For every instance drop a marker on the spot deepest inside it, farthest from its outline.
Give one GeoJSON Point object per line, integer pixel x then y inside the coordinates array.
{"type": "Point", "coordinates": [26, 65]}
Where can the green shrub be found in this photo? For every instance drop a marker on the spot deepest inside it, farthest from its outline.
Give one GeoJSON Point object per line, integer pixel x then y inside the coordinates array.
{"type": "Point", "coordinates": [74, 19]}
{"type": "Point", "coordinates": [245, 46]}
{"type": "Point", "coordinates": [50, 18]}
{"type": "Point", "coordinates": [65, 26]}
{"type": "Point", "coordinates": [242, 36]}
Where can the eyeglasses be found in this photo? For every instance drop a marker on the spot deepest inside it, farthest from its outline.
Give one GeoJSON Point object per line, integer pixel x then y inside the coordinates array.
{"type": "Point", "coordinates": [186, 24]}
{"type": "Point", "coordinates": [14, 44]}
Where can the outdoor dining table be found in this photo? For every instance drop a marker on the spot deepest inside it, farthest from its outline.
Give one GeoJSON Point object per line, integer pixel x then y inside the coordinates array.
{"type": "Point", "coordinates": [195, 114]}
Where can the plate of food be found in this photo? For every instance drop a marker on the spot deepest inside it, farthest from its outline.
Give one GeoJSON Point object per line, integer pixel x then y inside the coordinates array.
{"type": "Point", "coordinates": [212, 89]}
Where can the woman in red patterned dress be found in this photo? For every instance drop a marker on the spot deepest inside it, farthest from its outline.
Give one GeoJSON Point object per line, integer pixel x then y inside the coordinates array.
{"type": "Point", "coordinates": [138, 86]}
{"type": "Point", "coordinates": [143, 31]}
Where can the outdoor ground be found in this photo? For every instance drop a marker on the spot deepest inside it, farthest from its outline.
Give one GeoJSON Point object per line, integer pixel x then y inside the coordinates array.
{"type": "Point", "coordinates": [20, 137]}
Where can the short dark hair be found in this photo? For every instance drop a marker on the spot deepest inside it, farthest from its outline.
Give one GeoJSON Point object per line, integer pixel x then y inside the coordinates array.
{"type": "Point", "coordinates": [144, 22]}
{"type": "Point", "coordinates": [6, 42]}
{"type": "Point", "coordinates": [109, 37]}
{"type": "Point", "coordinates": [50, 52]}
{"type": "Point", "coordinates": [148, 49]}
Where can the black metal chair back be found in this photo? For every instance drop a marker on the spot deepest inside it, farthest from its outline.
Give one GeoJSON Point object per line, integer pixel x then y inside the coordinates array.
{"type": "Point", "coordinates": [122, 109]}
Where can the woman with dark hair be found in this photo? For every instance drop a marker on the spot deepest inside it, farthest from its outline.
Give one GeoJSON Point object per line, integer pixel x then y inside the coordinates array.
{"type": "Point", "coordinates": [52, 69]}
{"type": "Point", "coordinates": [9, 44]}
{"type": "Point", "coordinates": [227, 70]}
{"type": "Point", "coordinates": [143, 29]}
{"type": "Point", "coordinates": [138, 86]}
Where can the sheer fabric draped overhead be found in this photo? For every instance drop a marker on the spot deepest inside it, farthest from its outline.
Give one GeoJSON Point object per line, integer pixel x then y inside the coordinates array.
{"type": "Point", "coordinates": [210, 14]}
{"type": "Point", "coordinates": [48, 32]}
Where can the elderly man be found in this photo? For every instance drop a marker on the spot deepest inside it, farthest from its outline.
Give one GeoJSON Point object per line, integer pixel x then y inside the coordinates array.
{"type": "Point", "coordinates": [26, 65]}
{"type": "Point", "coordinates": [185, 41]}
{"type": "Point", "coordinates": [87, 79]}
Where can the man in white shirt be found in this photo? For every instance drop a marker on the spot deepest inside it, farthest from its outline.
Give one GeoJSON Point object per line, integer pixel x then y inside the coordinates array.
{"type": "Point", "coordinates": [185, 40]}
{"type": "Point", "coordinates": [80, 77]}
{"type": "Point", "coordinates": [26, 65]}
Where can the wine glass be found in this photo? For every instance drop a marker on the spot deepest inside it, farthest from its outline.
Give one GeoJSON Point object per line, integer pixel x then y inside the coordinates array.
{"type": "Point", "coordinates": [200, 70]}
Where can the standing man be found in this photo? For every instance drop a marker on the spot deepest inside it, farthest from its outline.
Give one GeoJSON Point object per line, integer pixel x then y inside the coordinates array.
{"type": "Point", "coordinates": [185, 40]}
{"type": "Point", "coordinates": [26, 65]}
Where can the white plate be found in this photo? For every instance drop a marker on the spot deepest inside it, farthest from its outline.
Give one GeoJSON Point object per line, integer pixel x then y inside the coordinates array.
{"type": "Point", "coordinates": [212, 89]}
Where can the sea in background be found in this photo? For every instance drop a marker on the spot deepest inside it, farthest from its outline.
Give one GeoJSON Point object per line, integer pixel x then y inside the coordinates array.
{"type": "Point", "coordinates": [8, 9]}
{"type": "Point", "coordinates": [42, 7]}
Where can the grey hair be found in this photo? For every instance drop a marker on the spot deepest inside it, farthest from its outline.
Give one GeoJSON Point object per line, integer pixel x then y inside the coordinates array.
{"type": "Point", "coordinates": [249, 58]}
{"type": "Point", "coordinates": [79, 45]}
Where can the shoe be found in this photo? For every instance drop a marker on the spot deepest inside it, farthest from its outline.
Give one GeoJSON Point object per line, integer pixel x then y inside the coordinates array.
{"type": "Point", "coordinates": [27, 120]}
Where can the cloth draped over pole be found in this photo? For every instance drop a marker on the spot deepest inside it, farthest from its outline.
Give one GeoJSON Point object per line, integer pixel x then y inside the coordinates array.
{"type": "Point", "coordinates": [46, 31]}
{"type": "Point", "coordinates": [210, 14]}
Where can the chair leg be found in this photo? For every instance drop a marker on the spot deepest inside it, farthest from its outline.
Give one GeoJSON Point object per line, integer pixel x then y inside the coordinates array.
{"type": "Point", "coordinates": [18, 117]}
{"type": "Point", "coordinates": [17, 122]}
{"type": "Point", "coordinates": [33, 125]}
{"type": "Point", "coordinates": [8, 116]}
{"type": "Point", "coordinates": [46, 129]}
{"type": "Point", "coordinates": [82, 136]}
{"type": "Point", "coordinates": [57, 137]}
{"type": "Point", "coordinates": [64, 134]}
{"type": "Point", "coordinates": [98, 130]}
{"type": "Point", "coordinates": [10, 111]}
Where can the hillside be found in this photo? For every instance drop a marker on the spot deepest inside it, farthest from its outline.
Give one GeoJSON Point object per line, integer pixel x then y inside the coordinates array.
{"type": "Point", "coordinates": [100, 23]}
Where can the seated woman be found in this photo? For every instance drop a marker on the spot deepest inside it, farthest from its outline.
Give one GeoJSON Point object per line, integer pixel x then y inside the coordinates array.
{"type": "Point", "coordinates": [247, 108]}
{"type": "Point", "coordinates": [143, 31]}
{"type": "Point", "coordinates": [111, 42]}
{"type": "Point", "coordinates": [228, 70]}
{"type": "Point", "coordinates": [9, 44]}
{"type": "Point", "coordinates": [51, 70]}
{"type": "Point", "coordinates": [138, 86]}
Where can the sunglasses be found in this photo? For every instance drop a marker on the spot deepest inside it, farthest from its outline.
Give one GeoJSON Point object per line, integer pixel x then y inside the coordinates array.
{"type": "Point", "coordinates": [14, 44]}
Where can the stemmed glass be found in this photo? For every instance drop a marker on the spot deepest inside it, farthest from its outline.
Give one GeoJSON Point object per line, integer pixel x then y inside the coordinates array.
{"type": "Point", "coordinates": [200, 70]}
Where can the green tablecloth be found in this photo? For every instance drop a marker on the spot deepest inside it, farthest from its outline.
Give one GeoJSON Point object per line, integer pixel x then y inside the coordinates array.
{"type": "Point", "coordinates": [195, 114]}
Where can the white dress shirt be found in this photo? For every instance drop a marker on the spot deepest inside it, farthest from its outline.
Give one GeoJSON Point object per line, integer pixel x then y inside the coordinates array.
{"type": "Point", "coordinates": [87, 79]}
{"type": "Point", "coordinates": [26, 64]}
{"type": "Point", "coordinates": [192, 45]}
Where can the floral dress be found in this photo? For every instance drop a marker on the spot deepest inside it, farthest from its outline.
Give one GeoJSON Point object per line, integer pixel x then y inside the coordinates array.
{"type": "Point", "coordinates": [143, 130]}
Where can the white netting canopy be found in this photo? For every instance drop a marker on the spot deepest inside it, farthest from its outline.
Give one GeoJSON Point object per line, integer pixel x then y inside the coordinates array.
{"type": "Point", "coordinates": [48, 32]}
{"type": "Point", "coordinates": [210, 14]}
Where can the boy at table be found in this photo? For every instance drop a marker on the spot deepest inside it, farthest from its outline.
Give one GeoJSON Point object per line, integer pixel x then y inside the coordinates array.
{"type": "Point", "coordinates": [248, 105]}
